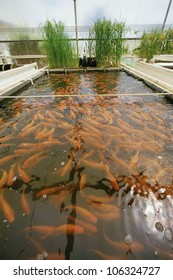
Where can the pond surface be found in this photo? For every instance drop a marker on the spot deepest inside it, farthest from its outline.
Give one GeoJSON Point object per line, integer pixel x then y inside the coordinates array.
{"type": "Point", "coordinates": [85, 174]}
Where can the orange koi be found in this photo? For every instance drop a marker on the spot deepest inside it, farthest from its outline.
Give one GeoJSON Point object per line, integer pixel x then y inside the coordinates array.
{"type": "Point", "coordinates": [41, 134]}
{"type": "Point", "coordinates": [96, 142]}
{"type": "Point", "coordinates": [59, 115]}
{"type": "Point", "coordinates": [56, 230]}
{"type": "Point", "coordinates": [134, 161]}
{"type": "Point", "coordinates": [24, 203]}
{"type": "Point", "coordinates": [6, 208]}
{"type": "Point", "coordinates": [49, 133]}
{"type": "Point", "coordinates": [28, 145]}
{"type": "Point", "coordinates": [83, 213]}
{"type": "Point", "coordinates": [50, 115]}
{"type": "Point", "coordinates": [29, 131]}
{"type": "Point", "coordinates": [122, 246]}
{"type": "Point", "coordinates": [46, 191]}
{"type": "Point", "coordinates": [105, 256]}
{"type": "Point", "coordinates": [99, 199]}
{"type": "Point", "coordinates": [64, 170]}
{"type": "Point", "coordinates": [6, 145]}
{"type": "Point", "coordinates": [7, 138]}
{"type": "Point", "coordinates": [88, 228]}
{"type": "Point", "coordinates": [111, 178]}
{"type": "Point", "coordinates": [11, 175]}
{"type": "Point", "coordinates": [59, 197]}
{"type": "Point", "coordinates": [31, 160]}
{"type": "Point", "coordinates": [82, 182]}
{"type": "Point", "coordinates": [104, 207]}
{"type": "Point", "coordinates": [50, 142]}
{"type": "Point", "coordinates": [28, 126]}
{"type": "Point", "coordinates": [3, 178]}
{"type": "Point", "coordinates": [24, 152]}
{"type": "Point", "coordinates": [107, 216]}
{"type": "Point", "coordinates": [55, 256]}
{"type": "Point", "coordinates": [22, 174]}
{"type": "Point", "coordinates": [93, 164]}
{"type": "Point", "coordinates": [8, 158]}
{"type": "Point", "coordinates": [65, 125]}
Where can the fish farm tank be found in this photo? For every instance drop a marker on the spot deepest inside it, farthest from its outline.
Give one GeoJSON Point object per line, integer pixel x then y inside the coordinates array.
{"type": "Point", "coordinates": [86, 170]}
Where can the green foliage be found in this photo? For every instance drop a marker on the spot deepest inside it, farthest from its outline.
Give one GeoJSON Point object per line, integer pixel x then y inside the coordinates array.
{"type": "Point", "coordinates": [109, 43]}
{"type": "Point", "coordinates": [155, 43]}
{"type": "Point", "coordinates": [60, 51]}
{"type": "Point", "coordinates": [24, 46]}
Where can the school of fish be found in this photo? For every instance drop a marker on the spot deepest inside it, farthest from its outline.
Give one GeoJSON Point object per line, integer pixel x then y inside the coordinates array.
{"type": "Point", "coordinates": [80, 162]}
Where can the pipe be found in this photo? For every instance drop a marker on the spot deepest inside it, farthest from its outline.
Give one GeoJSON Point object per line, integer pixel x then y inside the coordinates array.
{"type": "Point", "coordinates": [169, 5]}
{"type": "Point", "coordinates": [75, 14]}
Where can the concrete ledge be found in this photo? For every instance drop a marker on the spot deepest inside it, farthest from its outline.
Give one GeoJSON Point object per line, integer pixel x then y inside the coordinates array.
{"type": "Point", "coordinates": [155, 71]}
{"type": "Point", "coordinates": [153, 82]}
{"type": "Point", "coordinates": [81, 70]}
{"type": "Point", "coordinates": [163, 58]}
{"type": "Point", "coordinates": [14, 79]}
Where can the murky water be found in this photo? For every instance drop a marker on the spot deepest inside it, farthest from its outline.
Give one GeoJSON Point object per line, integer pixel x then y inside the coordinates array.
{"type": "Point", "coordinates": [86, 176]}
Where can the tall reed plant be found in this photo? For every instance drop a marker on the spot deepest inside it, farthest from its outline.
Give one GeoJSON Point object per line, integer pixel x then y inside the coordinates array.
{"type": "Point", "coordinates": [109, 43]}
{"type": "Point", "coordinates": [155, 43]}
{"type": "Point", "coordinates": [58, 47]}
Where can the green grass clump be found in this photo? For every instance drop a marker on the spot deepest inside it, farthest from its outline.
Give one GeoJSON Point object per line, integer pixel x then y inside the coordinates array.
{"type": "Point", "coordinates": [155, 43]}
{"type": "Point", "coordinates": [109, 43]}
{"type": "Point", "coordinates": [58, 48]}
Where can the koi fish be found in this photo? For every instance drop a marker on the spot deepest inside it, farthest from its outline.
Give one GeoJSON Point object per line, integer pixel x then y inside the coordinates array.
{"type": "Point", "coordinates": [8, 158]}
{"type": "Point", "coordinates": [82, 182]}
{"type": "Point", "coordinates": [22, 174]}
{"type": "Point", "coordinates": [93, 164]}
{"type": "Point", "coordinates": [122, 164]}
{"type": "Point", "coordinates": [49, 114]}
{"type": "Point", "coordinates": [24, 152]}
{"type": "Point", "coordinates": [3, 178]}
{"type": "Point", "coordinates": [111, 178]}
{"type": "Point", "coordinates": [29, 131]}
{"type": "Point", "coordinates": [99, 199]}
{"type": "Point", "coordinates": [60, 197]}
{"type": "Point", "coordinates": [156, 133]}
{"type": "Point", "coordinates": [88, 228]}
{"type": "Point", "coordinates": [7, 138]}
{"type": "Point", "coordinates": [83, 213]}
{"type": "Point", "coordinates": [88, 154]}
{"type": "Point", "coordinates": [41, 134]}
{"type": "Point", "coordinates": [59, 115]}
{"type": "Point", "coordinates": [105, 256]}
{"type": "Point", "coordinates": [104, 207]}
{"type": "Point", "coordinates": [6, 145]}
{"type": "Point", "coordinates": [55, 256]}
{"type": "Point", "coordinates": [11, 175]}
{"type": "Point", "coordinates": [28, 145]}
{"type": "Point", "coordinates": [46, 191]}
{"type": "Point", "coordinates": [50, 142]}
{"type": "Point", "coordinates": [64, 170]}
{"type": "Point", "coordinates": [31, 160]}
{"type": "Point", "coordinates": [6, 208]}
{"type": "Point", "coordinates": [134, 160]}
{"type": "Point", "coordinates": [98, 143]}
{"type": "Point", "coordinates": [28, 126]}
{"type": "Point", "coordinates": [122, 246]}
{"type": "Point", "coordinates": [56, 230]}
{"type": "Point", "coordinates": [24, 203]}
{"type": "Point", "coordinates": [65, 125]}
{"type": "Point", "coordinates": [49, 133]}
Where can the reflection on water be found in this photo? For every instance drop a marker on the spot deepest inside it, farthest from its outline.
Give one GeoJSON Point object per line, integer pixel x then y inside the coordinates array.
{"type": "Point", "coordinates": [86, 177]}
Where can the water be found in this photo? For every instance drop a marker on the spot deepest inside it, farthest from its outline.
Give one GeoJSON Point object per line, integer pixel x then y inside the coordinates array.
{"type": "Point", "coordinates": [85, 174]}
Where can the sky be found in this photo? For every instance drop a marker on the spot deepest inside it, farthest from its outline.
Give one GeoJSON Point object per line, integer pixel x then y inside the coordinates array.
{"type": "Point", "coordinates": [35, 12]}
